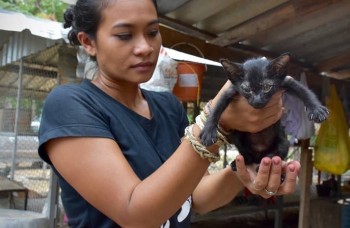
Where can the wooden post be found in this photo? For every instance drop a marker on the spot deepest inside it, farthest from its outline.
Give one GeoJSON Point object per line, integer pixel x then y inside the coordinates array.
{"type": "Point", "coordinates": [67, 65]}
{"type": "Point", "coordinates": [305, 183]}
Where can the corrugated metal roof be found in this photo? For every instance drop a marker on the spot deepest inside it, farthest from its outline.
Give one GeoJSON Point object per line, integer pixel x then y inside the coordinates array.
{"type": "Point", "coordinates": [37, 42]}
{"type": "Point", "coordinates": [26, 35]}
{"type": "Point", "coordinates": [315, 32]}
{"type": "Point", "coordinates": [39, 27]}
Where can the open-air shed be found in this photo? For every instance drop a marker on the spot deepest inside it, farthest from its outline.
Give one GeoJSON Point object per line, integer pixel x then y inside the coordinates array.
{"type": "Point", "coordinates": [34, 58]}
{"type": "Point", "coordinates": [316, 32]}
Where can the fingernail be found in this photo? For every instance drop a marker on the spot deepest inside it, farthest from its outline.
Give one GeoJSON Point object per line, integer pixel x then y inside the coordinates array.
{"type": "Point", "coordinates": [266, 161]}
{"type": "Point", "coordinates": [276, 161]}
{"type": "Point", "coordinates": [291, 168]}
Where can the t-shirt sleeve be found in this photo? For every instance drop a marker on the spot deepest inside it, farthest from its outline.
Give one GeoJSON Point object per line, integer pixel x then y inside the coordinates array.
{"type": "Point", "coordinates": [68, 113]}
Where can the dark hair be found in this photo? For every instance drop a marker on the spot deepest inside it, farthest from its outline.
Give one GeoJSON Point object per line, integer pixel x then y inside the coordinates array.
{"type": "Point", "coordinates": [85, 16]}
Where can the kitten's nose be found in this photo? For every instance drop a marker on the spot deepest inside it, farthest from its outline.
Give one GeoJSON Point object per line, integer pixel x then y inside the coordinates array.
{"type": "Point", "coordinates": [257, 102]}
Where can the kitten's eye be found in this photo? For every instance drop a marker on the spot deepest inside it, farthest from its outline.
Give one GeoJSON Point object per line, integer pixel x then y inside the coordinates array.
{"type": "Point", "coordinates": [266, 88]}
{"type": "Point", "coordinates": [246, 89]}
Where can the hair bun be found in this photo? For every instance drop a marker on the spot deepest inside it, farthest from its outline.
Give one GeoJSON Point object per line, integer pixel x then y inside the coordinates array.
{"type": "Point", "coordinates": [68, 17]}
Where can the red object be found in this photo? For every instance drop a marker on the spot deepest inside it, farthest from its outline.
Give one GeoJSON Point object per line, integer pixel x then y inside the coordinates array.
{"type": "Point", "coordinates": [189, 82]}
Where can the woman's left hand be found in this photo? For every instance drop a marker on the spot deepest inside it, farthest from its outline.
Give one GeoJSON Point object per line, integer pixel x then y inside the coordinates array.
{"type": "Point", "coordinates": [267, 181]}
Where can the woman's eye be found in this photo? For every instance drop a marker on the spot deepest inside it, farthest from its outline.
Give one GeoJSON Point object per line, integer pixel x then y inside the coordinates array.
{"type": "Point", "coordinates": [153, 33]}
{"type": "Point", "coordinates": [126, 36]}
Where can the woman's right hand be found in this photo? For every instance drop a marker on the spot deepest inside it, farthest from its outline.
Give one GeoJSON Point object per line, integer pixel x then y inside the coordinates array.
{"type": "Point", "coordinates": [239, 115]}
{"type": "Point", "coordinates": [267, 181]}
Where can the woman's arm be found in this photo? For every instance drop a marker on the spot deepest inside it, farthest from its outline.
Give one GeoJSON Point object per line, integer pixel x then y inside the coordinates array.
{"type": "Point", "coordinates": [216, 190]}
{"type": "Point", "coordinates": [97, 169]}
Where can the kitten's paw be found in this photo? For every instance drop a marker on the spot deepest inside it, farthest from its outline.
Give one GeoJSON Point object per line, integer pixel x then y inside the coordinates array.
{"type": "Point", "coordinates": [208, 136]}
{"type": "Point", "coordinates": [318, 114]}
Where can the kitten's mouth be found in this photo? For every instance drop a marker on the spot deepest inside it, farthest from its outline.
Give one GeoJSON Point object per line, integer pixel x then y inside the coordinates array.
{"type": "Point", "coordinates": [258, 105]}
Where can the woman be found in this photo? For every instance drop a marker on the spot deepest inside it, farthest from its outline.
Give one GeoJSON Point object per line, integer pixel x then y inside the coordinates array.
{"type": "Point", "coordinates": [120, 152]}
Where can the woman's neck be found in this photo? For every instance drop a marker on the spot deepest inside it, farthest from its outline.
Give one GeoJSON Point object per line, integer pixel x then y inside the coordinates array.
{"type": "Point", "coordinates": [127, 94]}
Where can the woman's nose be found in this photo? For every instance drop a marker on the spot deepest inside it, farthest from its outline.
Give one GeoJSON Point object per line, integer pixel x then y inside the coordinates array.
{"type": "Point", "coordinates": [143, 47]}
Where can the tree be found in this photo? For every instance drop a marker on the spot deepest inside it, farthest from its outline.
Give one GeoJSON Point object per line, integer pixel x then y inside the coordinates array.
{"type": "Point", "coordinates": [49, 9]}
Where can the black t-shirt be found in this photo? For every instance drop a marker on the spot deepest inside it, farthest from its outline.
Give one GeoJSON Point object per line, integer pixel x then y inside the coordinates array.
{"type": "Point", "coordinates": [83, 110]}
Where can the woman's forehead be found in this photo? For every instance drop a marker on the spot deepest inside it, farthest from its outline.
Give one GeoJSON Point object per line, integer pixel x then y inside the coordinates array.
{"type": "Point", "coordinates": [129, 11]}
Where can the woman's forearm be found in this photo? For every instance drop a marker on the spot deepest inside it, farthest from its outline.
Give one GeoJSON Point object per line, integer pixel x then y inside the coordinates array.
{"type": "Point", "coordinates": [216, 190]}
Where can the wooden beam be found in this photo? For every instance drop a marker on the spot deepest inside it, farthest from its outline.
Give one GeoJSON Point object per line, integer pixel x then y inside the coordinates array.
{"type": "Point", "coordinates": [196, 10]}
{"type": "Point", "coordinates": [324, 46]}
{"type": "Point", "coordinates": [309, 6]}
{"type": "Point", "coordinates": [268, 54]}
{"type": "Point", "coordinates": [184, 28]}
{"type": "Point", "coordinates": [172, 37]}
{"type": "Point", "coordinates": [302, 37]}
{"type": "Point", "coordinates": [302, 23]}
{"type": "Point", "coordinates": [338, 75]}
{"type": "Point", "coordinates": [263, 22]}
{"type": "Point", "coordinates": [333, 63]}
{"type": "Point", "coordinates": [236, 13]}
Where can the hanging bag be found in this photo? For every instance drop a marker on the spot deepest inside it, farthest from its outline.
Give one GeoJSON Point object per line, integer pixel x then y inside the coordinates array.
{"type": "Point", "coordinates": [164, 76]}
{"type": "Point", "coordinates": [332, 146]}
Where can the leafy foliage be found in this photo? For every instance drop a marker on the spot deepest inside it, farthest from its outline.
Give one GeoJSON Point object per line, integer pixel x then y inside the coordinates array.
{"type": "Point", "coordinates": [48, 9]}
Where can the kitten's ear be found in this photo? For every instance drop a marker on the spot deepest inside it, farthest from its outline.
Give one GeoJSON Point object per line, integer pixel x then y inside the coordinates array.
{"type": "Point", "coordinates": [280, 64]}
{"type": "Point", "coordinates": [233, 70]}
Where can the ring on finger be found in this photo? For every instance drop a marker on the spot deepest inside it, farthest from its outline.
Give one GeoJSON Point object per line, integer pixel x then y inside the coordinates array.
{"type": "Point", "coordinates": [270, 193]}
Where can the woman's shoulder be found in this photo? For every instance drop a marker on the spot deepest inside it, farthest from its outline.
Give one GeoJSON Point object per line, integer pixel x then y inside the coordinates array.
{"type": "Point", "coordinates": [69, 87]}
{"type": "Point", "coordinates": [68, 91]}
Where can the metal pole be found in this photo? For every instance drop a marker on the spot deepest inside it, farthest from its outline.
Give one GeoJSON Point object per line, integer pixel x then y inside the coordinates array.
{"type": "Point", "coordinates": [19, 94]}
{"type": "Point", "coordinates": [53, 200]}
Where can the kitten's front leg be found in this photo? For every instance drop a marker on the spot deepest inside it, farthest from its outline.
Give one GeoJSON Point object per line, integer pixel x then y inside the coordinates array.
{"type": "Point", "coordinates": [316, 111]}
{"type": "Point", "coordinates": [208, 134]}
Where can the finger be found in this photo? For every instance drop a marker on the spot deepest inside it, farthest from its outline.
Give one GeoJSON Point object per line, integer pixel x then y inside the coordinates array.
{"type": "Point", "coordinates": [289, 184]}
{"type": "Point", "coordinates": [242, 170]}
{"type": "Point", "coordinates": [275, 175]}
{"type": "Point", "coordinates": [262, 177]}
{"type": "Point", "coordinates": [276, 99]}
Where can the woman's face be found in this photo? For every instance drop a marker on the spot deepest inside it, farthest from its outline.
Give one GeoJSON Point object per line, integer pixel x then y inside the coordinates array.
{"type": "Point", "coordinates": [128, 41]}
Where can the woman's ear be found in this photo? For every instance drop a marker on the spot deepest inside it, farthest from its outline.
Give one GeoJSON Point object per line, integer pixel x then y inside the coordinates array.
{"type": "Point", "coordinates": [87, 43]}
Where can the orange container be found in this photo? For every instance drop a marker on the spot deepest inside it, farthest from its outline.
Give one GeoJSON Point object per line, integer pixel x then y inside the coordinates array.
{"type": "Point", "coordinates": [189, 82]}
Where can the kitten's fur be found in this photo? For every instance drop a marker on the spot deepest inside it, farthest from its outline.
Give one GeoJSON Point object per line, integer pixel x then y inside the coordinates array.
{"type": "Point", "coordinates": [257, 80]}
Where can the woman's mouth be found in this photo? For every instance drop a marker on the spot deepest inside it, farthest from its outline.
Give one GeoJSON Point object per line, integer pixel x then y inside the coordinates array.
{"type": "Point", "coordinates": [143, 66]}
